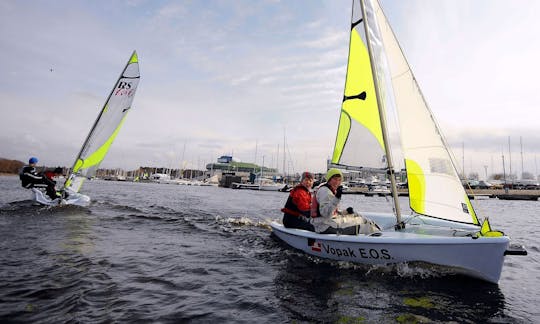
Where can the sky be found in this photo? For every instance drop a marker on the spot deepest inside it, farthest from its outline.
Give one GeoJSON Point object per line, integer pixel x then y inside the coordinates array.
{"type": "Point", "coordinates": [241, 77]}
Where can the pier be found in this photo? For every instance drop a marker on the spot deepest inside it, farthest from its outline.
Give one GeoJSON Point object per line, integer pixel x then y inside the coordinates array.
{"type": "Point", "coordinates": [513, 194]}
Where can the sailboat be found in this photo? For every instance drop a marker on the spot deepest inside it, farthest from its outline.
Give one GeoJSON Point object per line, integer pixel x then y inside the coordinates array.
{"type": "Point", "coordinates": [100, 138]}
{"type": "Point", "coordinates": [443, 229]}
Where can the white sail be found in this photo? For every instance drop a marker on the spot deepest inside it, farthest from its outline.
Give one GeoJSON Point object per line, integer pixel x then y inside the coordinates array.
{"type": "Point", "coordinates": [434, 186]}
{"type": "Point", "coordinates": [106, 126]}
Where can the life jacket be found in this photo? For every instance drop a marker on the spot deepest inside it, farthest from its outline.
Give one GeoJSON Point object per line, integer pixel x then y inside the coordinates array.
{"type": "Point", "coordinates": [290, 206]}
{"type": "Point", "coordinates": [315, 211]}
{"type": "Point", "coordinates": [50, 175]}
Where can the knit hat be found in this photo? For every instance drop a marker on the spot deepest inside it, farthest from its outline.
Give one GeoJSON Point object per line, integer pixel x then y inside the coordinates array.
{"type": "Point", "coordinates": [333, 172]}
{"type": "Point", "coordinates": [306, 175]}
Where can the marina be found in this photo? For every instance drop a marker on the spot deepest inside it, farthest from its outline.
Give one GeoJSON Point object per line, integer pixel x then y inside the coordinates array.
{"type": "Point", "coordinates": [474, 194]}
{"type": "Point", "coordinates": [283, 162]}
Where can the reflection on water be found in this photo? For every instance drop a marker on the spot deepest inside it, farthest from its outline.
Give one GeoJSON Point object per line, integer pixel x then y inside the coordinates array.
{"type": "Point", "coordinates": [78, 229]}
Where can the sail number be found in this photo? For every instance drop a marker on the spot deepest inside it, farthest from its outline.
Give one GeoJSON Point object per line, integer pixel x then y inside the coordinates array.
{"type": "Point", "coordinates": [124, 89]}
{"type": "Point", "coordinates": [362, 253]}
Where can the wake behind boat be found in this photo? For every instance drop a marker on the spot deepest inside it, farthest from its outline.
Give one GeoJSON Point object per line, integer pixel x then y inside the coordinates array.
{"type": "Point", "coordinates": [100, 138]}
{"type": "Point", "coordinates": [444, 229]}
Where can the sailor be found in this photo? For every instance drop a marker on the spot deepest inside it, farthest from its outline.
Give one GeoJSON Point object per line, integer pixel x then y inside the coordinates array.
{"type": "Point", "coordinates": [328, 219]}
{"type": "Point", "coordinates": [298, 206]}
{"type": "Point", "coordinates": [30, 178]}
{"type": "Point", "coordinates": [54, 173]}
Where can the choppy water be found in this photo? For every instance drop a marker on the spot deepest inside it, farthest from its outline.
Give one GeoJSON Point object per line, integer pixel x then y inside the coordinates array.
{"type": "Point", "coordinates": [165, 253]}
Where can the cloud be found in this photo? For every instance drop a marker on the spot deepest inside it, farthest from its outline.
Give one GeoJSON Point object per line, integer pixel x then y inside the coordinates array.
{"type": "Point", "coordinates": [224, 75]}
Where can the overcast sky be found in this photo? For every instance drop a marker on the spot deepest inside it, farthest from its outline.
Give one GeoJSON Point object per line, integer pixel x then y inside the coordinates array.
{"type": "Point", "coordinates": [232, 77]}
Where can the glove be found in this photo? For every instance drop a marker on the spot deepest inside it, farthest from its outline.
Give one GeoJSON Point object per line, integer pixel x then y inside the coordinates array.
{"type": "Point", "coordinates": [339, 192]}
{"type": "Point", "coordinates": [350, 210]}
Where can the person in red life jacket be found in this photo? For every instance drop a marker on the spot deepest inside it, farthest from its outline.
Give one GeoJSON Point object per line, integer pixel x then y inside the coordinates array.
{"type": "Point", "coordinates": [298, 206]}
{"type": "Point", "coordinates": [326, 202]}
{"type": "Point", "coordinates": [30, 178]}
{"type": "Point", "coordinates": [51, 174]}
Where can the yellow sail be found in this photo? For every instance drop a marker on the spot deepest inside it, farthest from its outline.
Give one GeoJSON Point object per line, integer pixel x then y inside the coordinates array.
{"type": "Point", "coordinates": [359, 141]}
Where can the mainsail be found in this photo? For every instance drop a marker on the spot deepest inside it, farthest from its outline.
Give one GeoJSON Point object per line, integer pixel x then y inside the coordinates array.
{"type": "Point", "coordinates": [434, 186]}
{"type": "Point", "coordinates": [106, 126]}
{"type": "Point", "coordinates": [359, 140]}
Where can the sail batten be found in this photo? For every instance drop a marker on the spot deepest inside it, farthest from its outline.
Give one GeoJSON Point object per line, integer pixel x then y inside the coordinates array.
{"type": "Point", "coordinates": [106, 126]}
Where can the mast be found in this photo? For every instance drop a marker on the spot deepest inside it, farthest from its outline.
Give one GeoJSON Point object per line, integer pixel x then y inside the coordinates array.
{"type": "Point", "coordinates": [182, 161]}
{"type": "Point", "coordinates": [504, 169]}
{"type": "Point", "coordinates": [463, 161]}
{"type": "Point", "coordinates": [284, 154]}
{"type": "Point", "coordinates": [277, 159]}
{"type": "Point", "coordinates": [521, 145]}
{"type": "Point", "coordinates": [510, 161]}
{"type": "Point", "coordinates": [382, 116]}
{"type": "Point", "coordinates": [535, 168]}
{"type": "Point", "coordinates": [255, 162]}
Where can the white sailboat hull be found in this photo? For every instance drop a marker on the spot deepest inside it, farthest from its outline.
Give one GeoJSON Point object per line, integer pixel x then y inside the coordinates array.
{"type": "Point", "coordinates": [74, 198]}
{"type": "Point", "coordinates": [477, 257]}
{"type": "Point", "coordinates": [254, 186]}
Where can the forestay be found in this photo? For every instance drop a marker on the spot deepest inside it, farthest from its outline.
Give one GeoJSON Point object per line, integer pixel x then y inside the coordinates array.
{"type": "Point", "coordinates": [106, 126]}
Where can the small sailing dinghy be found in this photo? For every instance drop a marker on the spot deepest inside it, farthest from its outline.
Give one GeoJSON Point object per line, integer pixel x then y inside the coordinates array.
{"type": "Point", "coordinates": [100, 138]}
{"type": "Point", "coordinates": [443, 229]}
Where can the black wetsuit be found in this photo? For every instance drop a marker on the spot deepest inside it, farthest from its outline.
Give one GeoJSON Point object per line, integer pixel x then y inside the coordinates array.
{"type": "Point", "coordinates": [30, 178]}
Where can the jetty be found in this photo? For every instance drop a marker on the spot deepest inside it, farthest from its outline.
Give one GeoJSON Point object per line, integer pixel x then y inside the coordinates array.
{"type": "Point", "coordinates": [512, 194]}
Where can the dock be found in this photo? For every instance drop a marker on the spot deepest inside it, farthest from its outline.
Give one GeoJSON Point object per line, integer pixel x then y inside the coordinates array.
{"type": "Point", "coordinates": [502, 194]}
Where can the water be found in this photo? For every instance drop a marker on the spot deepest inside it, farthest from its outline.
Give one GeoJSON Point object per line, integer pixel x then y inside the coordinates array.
{"type": "Point", "coordinates": [165, 253]}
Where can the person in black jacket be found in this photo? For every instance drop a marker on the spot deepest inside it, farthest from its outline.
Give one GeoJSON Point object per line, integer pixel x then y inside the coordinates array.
{"type": "Point", "coordinates": [30, 178]}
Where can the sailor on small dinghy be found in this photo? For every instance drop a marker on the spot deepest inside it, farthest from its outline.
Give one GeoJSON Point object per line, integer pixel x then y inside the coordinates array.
{"type": "Point", "coordinates": [328, 219]}
{"type": "Point", "coordinates": [30, 178]}
{"type": "Point", "coordinates": [298, 206]}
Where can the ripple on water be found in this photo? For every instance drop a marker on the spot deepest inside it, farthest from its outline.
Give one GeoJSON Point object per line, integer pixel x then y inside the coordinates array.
{"type": "Point", "coordinates": [158, 253]}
